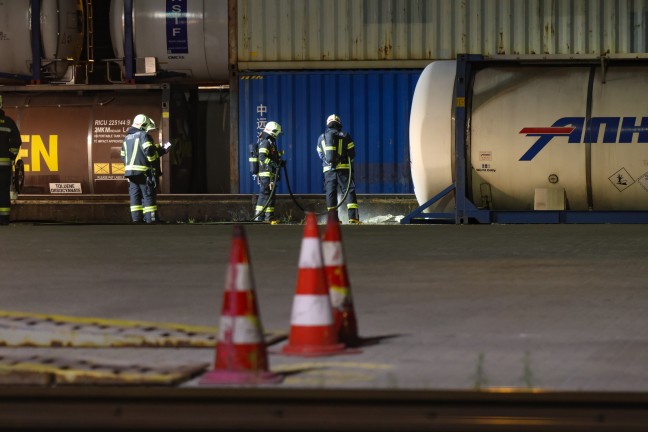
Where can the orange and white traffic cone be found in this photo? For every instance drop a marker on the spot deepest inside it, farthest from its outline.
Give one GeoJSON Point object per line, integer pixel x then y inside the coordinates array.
{"type": "Point", "coordinates": [338, 281]}
{"type": "Point", "coordinates": [312, 332]}
{"type": "Point", "coordinates": [241, 356]}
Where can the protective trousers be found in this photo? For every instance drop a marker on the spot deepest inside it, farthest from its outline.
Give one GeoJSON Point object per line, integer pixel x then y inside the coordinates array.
{"type": "Point", "coordinates": [335, 184]}
{"type": "Point", "coordinates": [265, 194]}
{"type": "Point", "coordinates": [5, 198]}
{"type": "Point", "coordinates": [141, 200]}
{"type": "Point", "coordinates": [151, 212]}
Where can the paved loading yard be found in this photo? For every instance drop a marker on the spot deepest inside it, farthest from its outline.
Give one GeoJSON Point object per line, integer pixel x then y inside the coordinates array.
{"type": "Point", "coordinates": [554, 307]}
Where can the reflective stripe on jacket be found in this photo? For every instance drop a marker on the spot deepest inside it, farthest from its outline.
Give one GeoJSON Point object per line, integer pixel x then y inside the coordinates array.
{"type": "Point", "coordinates": [10, 140]}
{"type": "Point", "coordinates": [268, 156]}
{"type": "Point", "coordinates": [138, 152]}
{"type": "Point", "coordinates": [336, 149]}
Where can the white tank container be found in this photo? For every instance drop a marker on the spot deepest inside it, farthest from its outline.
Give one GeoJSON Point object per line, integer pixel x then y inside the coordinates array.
{"type": "Point", "coordinates": [188, 37]}
{"type": "Point", "coordinates": [62, 33]}
{"type": "Point", "coordinates": [529, 130]}
{"type": "Point", "coordinates": [431, 133]}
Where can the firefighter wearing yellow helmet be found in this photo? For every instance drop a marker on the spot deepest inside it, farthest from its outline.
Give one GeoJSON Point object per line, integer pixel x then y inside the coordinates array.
{"type": "Point", "coordinates": [139, 154]}
{"type": "Point", "coordinates": [336, 150]}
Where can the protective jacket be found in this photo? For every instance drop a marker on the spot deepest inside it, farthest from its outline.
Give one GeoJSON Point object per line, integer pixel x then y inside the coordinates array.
{"type": "Point", "coordinates": [10, 140]}
{"type": "Point", "coordinates": [268, 157]}
{"type": "Point", "coordinates": [336, 150]}
{"type": "Point", "coordinates": [138, 153]}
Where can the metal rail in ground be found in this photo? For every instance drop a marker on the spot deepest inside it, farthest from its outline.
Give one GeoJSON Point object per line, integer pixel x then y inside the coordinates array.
{"type": "Point", "coordinates": [258, 409]}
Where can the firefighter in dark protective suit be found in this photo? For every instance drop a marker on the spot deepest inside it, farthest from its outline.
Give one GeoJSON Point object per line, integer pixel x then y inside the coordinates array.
{"type": "Point", "coordinates": [337, 150]}
{"type": "Point", "coordinates": [10, 142]}
{"type": "Point", "coordinates": [269, 165]}
{"type": "Point", "coordinates": [138, 154]}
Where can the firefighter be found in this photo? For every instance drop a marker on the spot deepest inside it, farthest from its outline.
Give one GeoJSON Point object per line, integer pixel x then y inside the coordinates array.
{"type": "Point", "coordinates": [138, 154]}
{"type": "Point", "coordinates": [336, 150]}
{"type": "Point", "coordinates": [10, 142]}
{"type": "Point", "coordinates": [269, 164]}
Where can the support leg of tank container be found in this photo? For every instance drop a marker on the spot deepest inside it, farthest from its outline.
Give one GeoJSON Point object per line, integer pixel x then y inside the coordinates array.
{"type": "Point", "coordinates": [471, 212]}
{"type": "Point", "coordinates": [35, 41]}
{"type": "Point", "coordinates": [418, 213]}
{"type": "Point", "coordinates": [129, 55]}
{"type": "Point", "coordinates": [465, 209]}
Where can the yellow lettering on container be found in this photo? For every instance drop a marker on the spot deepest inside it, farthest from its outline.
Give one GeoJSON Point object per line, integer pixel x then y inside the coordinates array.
{"type": "Point", "coordinates": [49, 154]}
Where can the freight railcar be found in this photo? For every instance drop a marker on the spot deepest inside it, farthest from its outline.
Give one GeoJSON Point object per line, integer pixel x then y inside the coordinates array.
{"type": "Point", "coordinates": [73, 122]}
{"type": "Point", "coordinates": [72, 137]}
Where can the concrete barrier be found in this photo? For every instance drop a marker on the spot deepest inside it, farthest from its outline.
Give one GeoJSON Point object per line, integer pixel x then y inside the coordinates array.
{"type": "Point", "coordinates": [198, 208]}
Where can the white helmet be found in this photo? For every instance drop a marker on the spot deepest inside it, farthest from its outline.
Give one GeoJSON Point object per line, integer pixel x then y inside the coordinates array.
{"type": "Point", "coordinates": [333, 118]}
{"type": "Point", "coordinates": [273, 129]}
{"type": "Point", "coordinates": [142, 122]}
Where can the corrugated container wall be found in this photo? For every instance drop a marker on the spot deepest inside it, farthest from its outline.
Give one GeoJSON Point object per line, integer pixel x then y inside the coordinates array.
{"type": "Point", "coordinates": [374, 107]}
{"type": "Point", "coordinates": [321, 32]}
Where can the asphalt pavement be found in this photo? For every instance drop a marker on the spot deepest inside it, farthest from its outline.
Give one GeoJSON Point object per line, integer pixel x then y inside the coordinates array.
{"type": "Point", "coordinates": [443, 307]}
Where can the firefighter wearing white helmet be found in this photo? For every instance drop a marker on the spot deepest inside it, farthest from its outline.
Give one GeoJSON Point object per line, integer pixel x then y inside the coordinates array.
{"type": "Point", "coordinates": [10, 142]}
{"type": "Point", "coordinates": [269, 165]}
{"type": "Point", "coordinates": [139, 154]}
{"type": "Point", "coordinates": [336, 150]}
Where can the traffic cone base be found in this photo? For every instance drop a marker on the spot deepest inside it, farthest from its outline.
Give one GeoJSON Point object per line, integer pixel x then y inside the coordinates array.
{"type": "Point", "coordinates": [308, 341]}
{"type": "Point", "coordinates": [347, 328]}
{"type": "Point", "coordinates": [313, 350]}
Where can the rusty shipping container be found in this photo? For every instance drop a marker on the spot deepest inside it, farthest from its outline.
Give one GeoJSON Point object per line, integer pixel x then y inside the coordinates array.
{"type": "Point", "coordinates": [72, 138]}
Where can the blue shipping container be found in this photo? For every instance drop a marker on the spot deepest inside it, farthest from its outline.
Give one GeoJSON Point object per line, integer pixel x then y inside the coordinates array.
{"type": "Point", "coordinates": [374, 106]}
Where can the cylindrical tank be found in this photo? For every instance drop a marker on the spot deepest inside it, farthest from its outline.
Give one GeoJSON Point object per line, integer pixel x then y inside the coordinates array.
{"type": "Point", "coordinates": [62, 33]}
{"type": "Point", "coordinates": [76, 138]}
{"type": "Point", "coordinates": [188, 37]}
{"type": "Point", "coordinates": [431, 133]}
{"type": "Point", "coordinates": [536, 127]}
